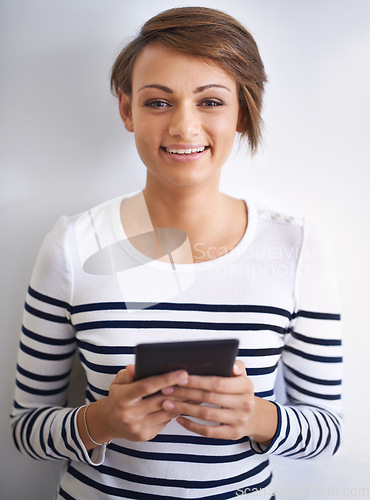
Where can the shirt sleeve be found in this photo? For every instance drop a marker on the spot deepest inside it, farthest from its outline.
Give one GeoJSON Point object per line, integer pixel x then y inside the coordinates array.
{"type": "Point", "coordinates": [310, 423]}
{"type": "Point", "coordinates": [43, 427]}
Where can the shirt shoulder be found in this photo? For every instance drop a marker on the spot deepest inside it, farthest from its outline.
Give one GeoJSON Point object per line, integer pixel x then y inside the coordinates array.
{"type": "Point", "coordinates": [276, 215]}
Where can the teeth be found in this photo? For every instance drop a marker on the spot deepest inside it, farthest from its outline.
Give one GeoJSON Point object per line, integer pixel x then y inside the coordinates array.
{"type": "Point", "coordinates": [185, 151]}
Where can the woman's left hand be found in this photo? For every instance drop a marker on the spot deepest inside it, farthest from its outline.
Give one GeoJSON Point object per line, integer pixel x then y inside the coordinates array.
{"type": "Point", "coordinates": [234, 407]}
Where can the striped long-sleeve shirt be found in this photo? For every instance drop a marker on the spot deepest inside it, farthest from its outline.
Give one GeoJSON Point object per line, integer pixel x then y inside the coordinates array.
{"type": "Point", "coordinates": [92, 291]}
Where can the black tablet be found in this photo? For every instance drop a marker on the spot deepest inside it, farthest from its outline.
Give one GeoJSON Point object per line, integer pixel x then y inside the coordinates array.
{"type": "Point", "coordinates": [197, 357]}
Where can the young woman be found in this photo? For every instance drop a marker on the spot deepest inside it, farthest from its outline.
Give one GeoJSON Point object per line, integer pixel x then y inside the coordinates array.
{"type": "Point", "coordinates": [181, 261]}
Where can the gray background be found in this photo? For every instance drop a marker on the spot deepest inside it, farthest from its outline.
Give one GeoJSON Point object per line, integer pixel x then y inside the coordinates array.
{"type": "Point", "coordinates": [64, 149]}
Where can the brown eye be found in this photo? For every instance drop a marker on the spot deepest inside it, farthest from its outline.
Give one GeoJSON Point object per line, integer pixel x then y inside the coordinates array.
{"type": "Point", "coordinates": [212, 103]}
{"type": "Point", "coordinates": [157, 103]}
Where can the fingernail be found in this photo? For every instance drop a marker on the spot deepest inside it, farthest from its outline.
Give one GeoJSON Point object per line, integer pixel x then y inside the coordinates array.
{"type": "Point", "coordinates": [236, 369]}
{"type": "Point", "coordinates": [168, 405]}
{"type": "Point", "coordinates": [167, 390]}
{"type": "Point", "coordinates": [182, 377]}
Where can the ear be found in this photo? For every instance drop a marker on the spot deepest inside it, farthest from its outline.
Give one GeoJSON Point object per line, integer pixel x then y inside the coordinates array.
{"type": "Point", "coordinates": [125, 110]}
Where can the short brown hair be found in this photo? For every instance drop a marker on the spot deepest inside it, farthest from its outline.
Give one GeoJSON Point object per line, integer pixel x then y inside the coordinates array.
{"type": "Point", "coordinates": [205, 33]}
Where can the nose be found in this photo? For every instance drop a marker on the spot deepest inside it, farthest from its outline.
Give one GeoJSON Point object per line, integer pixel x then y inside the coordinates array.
{"type": "Point", "coordinates": [184, 122]}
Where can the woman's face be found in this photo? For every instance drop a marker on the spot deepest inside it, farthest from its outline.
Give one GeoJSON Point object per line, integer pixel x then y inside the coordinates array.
{"type": "Point", "coordinates": [184, 113]}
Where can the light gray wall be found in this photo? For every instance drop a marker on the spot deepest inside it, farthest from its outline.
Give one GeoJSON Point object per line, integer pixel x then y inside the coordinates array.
{"type": "Point", "coordinates": [63, 149]}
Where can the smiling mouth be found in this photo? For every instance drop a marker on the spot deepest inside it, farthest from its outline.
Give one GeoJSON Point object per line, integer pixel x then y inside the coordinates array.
{"type": "Point", "coordinates": [185, 151]}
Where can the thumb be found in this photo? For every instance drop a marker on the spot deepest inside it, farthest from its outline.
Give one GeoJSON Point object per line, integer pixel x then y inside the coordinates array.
{"type": "Point", "coordinates": [125, 376]}
{"type": "Point", "coordinates": [239, 368]}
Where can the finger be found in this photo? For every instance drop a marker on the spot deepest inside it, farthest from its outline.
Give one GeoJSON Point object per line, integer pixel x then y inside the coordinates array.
{"type": "Point", "coordinates": [152, 432]}
{"type": "Point", "coordinates": [194, 396]}
{"type": "Point", "coordinates": [185, 394]}
{"type": "Point", "coordinates": [225, 385]}
{"type": "Point", "coordinates": [160, 417]}
{"type": "Point", "coordinates": [203, 412]}
{"type": "Point", "coordinates": [147, 428]}
{"type": "Point", "coordinates": [211, 431]}
{"type": "Point", "coordinates": [152, 385]}
{"type": "Point", "coordinates": [153, 404]}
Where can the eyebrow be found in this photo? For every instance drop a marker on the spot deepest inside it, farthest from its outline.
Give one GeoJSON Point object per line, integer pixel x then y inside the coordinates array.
{"type": "Point", "coordinates": [196, 91]}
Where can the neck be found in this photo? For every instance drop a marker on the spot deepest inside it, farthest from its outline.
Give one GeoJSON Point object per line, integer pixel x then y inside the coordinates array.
{"type": "Point", "coordinates": [214, 222]}
{"type": "Point", "coordinates": [196, 211]}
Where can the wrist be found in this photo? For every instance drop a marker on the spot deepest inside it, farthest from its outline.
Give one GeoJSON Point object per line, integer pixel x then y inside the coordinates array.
{"type": "Point", "coordinates": [93, 426]}
{"type": "Point", "coordinates": [265, 422]}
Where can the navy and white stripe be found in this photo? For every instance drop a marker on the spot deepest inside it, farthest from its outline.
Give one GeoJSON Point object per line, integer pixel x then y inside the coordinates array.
{"type": "Point", "coordinates": [288, 319]}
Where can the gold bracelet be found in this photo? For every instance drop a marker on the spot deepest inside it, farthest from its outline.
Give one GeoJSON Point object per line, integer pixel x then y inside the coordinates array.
{"type": "Point", "coordinates": [88, 433]}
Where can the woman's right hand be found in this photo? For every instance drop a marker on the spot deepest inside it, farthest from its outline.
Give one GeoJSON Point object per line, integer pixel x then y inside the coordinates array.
{"type": "Point", "coordinates": [126, 412]}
